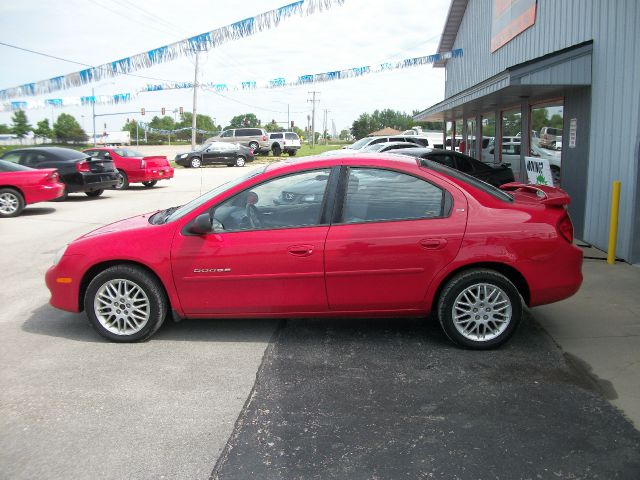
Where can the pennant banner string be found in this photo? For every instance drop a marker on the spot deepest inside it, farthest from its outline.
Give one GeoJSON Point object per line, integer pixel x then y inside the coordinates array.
{"type": "Point", "coordinates": [221, 88]}
{"type": "Point", "coordinates": [167, 53]}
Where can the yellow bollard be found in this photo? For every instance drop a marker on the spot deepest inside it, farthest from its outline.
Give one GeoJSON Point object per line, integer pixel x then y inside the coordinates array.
{"type": "Point", "coordinates": [613, 223]}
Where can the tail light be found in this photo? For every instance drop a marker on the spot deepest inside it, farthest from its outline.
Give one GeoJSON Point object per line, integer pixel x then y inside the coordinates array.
{"type": "Point", "coordinates": [143, 164]}
{"type": "Point", "coordinates": [251, 151]}
{"type": "Point", "coordinates": [83, 166]}
{"type": "Point", "coordinates": [264, 138]}
{"type": "Point", "coordinates": [565, 228]}
{"type": "Point", "coordinates": [52, 177]}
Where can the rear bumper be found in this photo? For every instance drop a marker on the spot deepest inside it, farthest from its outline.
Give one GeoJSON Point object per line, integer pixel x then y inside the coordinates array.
{"type": "Point", "coordinates": [43, 193]}
{"type": "Point", "coordinates": [88, 182]}
{"type": "Point", "coordinates": [557, 278]}
{"type": "Point", "coordinates": [151, 174]}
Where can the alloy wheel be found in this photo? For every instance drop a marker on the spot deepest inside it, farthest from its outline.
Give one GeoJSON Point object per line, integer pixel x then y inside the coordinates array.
{"type": "Point", "coordinates": [482, 312]}
{"type": "Point", "coordinates": [122, 307]}
{"type": "Point", "coordinates": [9, 203]}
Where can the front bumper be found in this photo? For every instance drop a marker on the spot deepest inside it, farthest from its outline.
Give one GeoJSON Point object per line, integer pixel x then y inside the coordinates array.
{"type": "Point", "coordinates": [63, 283]}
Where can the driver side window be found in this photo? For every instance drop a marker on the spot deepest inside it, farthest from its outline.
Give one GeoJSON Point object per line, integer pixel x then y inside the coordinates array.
{"type": "Point", "coordinates": [285, 202]}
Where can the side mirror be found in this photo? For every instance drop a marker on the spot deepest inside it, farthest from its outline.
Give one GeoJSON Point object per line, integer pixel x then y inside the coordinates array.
{"type": "Point", "coordinates": [201, 225]}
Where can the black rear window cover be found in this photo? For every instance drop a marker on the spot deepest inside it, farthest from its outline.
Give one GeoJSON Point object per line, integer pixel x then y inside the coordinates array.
{"type": "Point", "coordinates": [468, 179]}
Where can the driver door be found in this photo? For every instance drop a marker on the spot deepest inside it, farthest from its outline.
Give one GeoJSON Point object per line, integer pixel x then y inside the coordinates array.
{"type": "Point", "coordinates": [267, 259]}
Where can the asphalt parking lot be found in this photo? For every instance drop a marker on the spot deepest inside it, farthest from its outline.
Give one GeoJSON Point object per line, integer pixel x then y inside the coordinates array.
{"type": "Point", "coordinates": [276, 399]}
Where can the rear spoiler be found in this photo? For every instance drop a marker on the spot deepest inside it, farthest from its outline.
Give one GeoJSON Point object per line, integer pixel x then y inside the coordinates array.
{"type": "Point", "coordinates": [551, 196]}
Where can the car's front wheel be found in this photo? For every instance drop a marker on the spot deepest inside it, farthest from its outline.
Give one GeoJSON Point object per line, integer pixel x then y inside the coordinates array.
{"type": "Point", "coordinates": [94, 193]}
{"type": "Point", "coordinates": [150, 183]}
{"type": "Point", "coordinates": [11, 203]}
{"type": "Point", "coordinates": [479, 309]}
{"type": "Point", "coordinates": [195, 162]}
{"type": "Point", "coordinates": [125, 303]}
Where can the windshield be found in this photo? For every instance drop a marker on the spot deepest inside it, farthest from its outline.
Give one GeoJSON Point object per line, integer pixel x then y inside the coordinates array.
{"type": "Point", "coordinates": [359, 144]}
{"type": "Point", "coordinates": [128, 153]}
{"type": "Point", "coordinates": [201, 200]}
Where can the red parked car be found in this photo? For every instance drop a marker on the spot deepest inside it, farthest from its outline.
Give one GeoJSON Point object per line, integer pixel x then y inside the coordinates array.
{"type": "Point", "coordinates": [21, 186]}
{"type": "Point", "coordinates": [370, 235]}
{"type": "Point", "coordinates": [134, 167]}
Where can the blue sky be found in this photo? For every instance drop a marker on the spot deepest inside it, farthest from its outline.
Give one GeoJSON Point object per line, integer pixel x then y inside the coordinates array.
{"type": "Point", "coordinates": [358, 33]}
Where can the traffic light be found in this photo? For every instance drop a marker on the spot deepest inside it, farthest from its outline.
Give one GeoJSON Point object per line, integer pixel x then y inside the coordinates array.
{"type": "Point", "coordinates": [142, 111]}
{"type": "Point", "coordinates": [181, 110]}
{"type": "Point", "coordinates": [162, 110]}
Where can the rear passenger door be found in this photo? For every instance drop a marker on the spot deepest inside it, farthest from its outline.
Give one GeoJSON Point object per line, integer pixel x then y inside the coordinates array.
{"type": "Point", "coordinates": [391, 234]}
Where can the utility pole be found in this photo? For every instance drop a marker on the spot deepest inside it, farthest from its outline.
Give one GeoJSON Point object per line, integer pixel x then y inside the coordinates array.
{"type": "Point", "coordinates": [195, 103]}
{"type": "Point", "coordinates": [313, 118]}
{"type": "Point", "coordinates": [325, 126]}
{"type": "Point", "coordinates": [93, 111]}
{"type": "Point", "coordinates": [288, 119]}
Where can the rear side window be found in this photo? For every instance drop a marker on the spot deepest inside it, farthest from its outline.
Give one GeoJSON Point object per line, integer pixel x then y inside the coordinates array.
{"type": "Point", "coordinates": [13, 157]}
{"type": "Point", "coordinates": [443, 159]}
{"type": "Point", "coordinates": [468, 179]}
{"type": "Point", "coordinates": [375, 195]}
{"type": "Point", "coordinates": [33, 159]}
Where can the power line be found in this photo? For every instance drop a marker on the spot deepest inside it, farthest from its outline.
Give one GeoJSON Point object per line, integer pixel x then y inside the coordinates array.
{"type": "Point", "coordinates": [83, 64]}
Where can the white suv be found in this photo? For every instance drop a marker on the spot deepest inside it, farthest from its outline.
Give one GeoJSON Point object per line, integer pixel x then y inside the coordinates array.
{"type": "Point", "coordinates": [287, 142]}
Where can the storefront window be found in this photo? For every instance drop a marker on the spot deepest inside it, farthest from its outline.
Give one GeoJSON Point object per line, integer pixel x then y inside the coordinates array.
{"type": "Point", "coordinates": [546, 136]}
{"type": "Point", "coordinates": [488, 137]}
{"type": "Point", "coordinates": [511, 135]}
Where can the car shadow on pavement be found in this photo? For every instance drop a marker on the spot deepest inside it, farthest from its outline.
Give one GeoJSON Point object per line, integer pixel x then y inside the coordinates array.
{"type": "Point", "coordinates": [33, 211]}
{"type": "Point", "coordinates": [46, 320]}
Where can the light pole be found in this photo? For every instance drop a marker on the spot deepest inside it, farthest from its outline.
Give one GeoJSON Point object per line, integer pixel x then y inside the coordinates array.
{"type": "Point", "coordinates": [93, 108]}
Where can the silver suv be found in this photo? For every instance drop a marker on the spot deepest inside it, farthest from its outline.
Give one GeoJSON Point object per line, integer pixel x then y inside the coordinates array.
{"type": "Point", "coordinates": [287, 142]}
{"type": "Point", "coordinates": [255, 138]}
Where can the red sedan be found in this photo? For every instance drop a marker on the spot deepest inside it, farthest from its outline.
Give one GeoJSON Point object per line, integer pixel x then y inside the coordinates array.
{"type": "Point", "coordinates": [371, 235]}
{"type": "Point", "coordinates": [21, 186]}
{"type": "Point", "coordinates": [134, 167]}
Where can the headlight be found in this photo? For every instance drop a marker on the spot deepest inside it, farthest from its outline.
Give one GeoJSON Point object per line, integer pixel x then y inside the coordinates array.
{"type": "Point", "coordinates": [184, 155]}
{"type": "Point", "coordinates": [59, 254]}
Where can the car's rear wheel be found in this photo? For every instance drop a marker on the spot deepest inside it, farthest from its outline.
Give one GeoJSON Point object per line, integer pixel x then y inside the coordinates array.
{"type": "Point", "coordinates": [277, 151]}
{"type": "Point", "coordinates": [479, 309]}
{"type": "Point", "coordinates": [254, 146]}
{"type": "Point", "coordinates": [195, 162]}
{"type": "Point", "coordinates": [125, 303]}
{"type": "Point", "coordinates": [292, 153]}
{"type": "Point", "coordinates": [123, 181]}
{"type": "Point", "coordinates": [94, 193]}
{"type": "Point", "coordinates": [11, 203]}
{"type": "Point", "coordinates": [150, 183]}
{"type": "Point", "coordinates": [240, 161]}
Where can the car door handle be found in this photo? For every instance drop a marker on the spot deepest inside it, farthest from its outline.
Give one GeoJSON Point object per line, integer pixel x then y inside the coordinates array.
{"type": "Point", "coordinates": [301, 250]}
{"type": "Point", "coordinates": [433, 243]}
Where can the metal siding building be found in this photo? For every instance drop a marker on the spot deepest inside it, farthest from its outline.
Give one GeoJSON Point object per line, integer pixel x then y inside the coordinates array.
{"type": "Point", "coordinates": [585, 52]}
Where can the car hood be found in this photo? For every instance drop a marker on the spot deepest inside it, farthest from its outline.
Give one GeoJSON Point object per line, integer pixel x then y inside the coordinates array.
{"type": "Point", "coordinates": [139, 221]}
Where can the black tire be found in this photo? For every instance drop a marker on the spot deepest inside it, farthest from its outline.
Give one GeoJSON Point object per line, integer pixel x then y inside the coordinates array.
{"type": "Point", "coordinates": [123, 181]}
{"type": "Point", "coordinates": [277, 151]}
{"type": "Point", "coordinates": [134, 276]}
{"type": "Point", "coordinates": [254, 146]}
{"type": "Point", "coordinates": [292, 153]}
{"type": "Point", "coordinates": [150, 183]}
{"type": "Point", "coordinates": [480, 313]}
{"type": "Point", "coordinates": [240, 161]}
{"type": "Point", "coordinates": [195, 162]}
{"type": "Point", "coordinates": [94, 193]}
{"type": "Point", "coordinates": [11, 203]}
{"type": "Point", "coordinates": [62, 197]}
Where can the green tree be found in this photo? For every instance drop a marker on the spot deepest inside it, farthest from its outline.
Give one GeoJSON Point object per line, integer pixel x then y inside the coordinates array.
{"type": "Point", "coordinates": [511, 124]}
{"type": "Point", "coordinates": [379, 119]}
{"type": "Point", "coordinates": [203, 122]}
{"type": "Point", "coordinates": [244, 120]}
{"type": "Point", "coordinates": [43, 129]}
{"type": "Point", "coordinates": [273, 127]}
{"type": "Point", "coordinates": [555, 121]}
{"type": "Point", "coordinates": [539, 118]}
{"type": "Point", "coordinates": [344, 134]}
{"type": "Point", "coordinates": [4, 129]}
{"type": "Point", "coordinates": [20, 125]}
{"type": "Point", "coordinates": [67, 129]}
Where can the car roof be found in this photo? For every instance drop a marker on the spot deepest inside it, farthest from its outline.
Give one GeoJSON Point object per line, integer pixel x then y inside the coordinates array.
{"type": "Point", "coordinates": [66, 153]}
